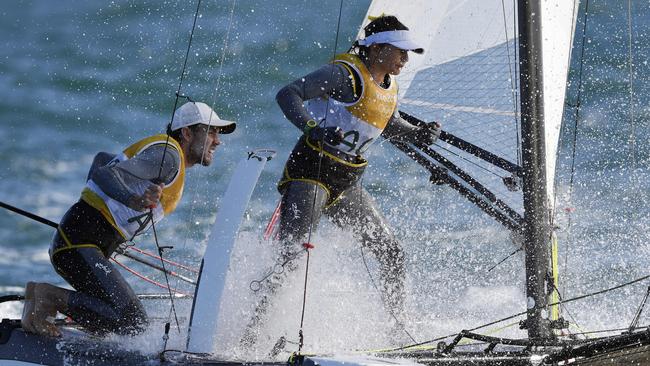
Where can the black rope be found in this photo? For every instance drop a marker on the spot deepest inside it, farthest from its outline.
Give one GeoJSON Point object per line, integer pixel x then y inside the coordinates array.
{"type": "Point", "coordinates": [53, 224]}
{"type": "Point", "coordinates": [304, 302]}
{"type": "Point", "coordinates": [635, 320]}
{"type": "Point", "coordinates": [611, 330]}
{"type": "Point", "coordinates": [578, 99]}
{"type": "Point", "coordinates": [523, 313]}
{"type": "Point", "coordinates": [506, 258]}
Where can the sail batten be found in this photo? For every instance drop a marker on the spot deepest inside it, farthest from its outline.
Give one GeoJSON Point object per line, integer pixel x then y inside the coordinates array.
{"type": "Point", "coordinates": [456, 108]}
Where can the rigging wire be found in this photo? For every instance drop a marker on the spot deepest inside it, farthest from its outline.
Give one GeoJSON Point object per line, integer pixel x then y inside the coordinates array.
{"type": "Point", "coordinates": [505, 258]}
{"type": "Point", "coordinates": [172, 308]}
{"type": "Point", "coordinates": [308, 244]}
{"type": "Point", "coordinates": [631, 73]}
{"type": "Point", "coordinates": [390, 310]}
{"type": "Point", "coordinates": [195, 193]}
{"type": "Point", "coordinates": [160, 253]}
{"type": "Point", "coordinates": [176, 264]}
{"type": "Point", "coordinates": [643, 278]}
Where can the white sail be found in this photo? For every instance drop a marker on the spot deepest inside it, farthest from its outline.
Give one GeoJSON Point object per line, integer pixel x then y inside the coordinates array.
{"type": "Point", "coordinates": [467, 78]}
{"type": "Point", "coordinates": [447, 29]}
{"type": "Point", "coordinates": [558, 25]}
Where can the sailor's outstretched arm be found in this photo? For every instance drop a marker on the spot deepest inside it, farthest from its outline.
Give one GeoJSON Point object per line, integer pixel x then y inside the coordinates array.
{"type": "Point", "coordinates": [330, 80]}
{"type": "Point", "coordinates": [400, 129]}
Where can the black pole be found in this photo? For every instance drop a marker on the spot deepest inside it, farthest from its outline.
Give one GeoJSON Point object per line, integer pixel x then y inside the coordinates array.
{"type": "Point", "coordinates": [29, 214]}
{"type": "Point", "coordinates": [536, 217]}
{"type": "Point", "coordinates": [53, 224]}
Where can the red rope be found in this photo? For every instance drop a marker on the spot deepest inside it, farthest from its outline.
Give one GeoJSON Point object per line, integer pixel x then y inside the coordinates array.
{"type": "Point", "coordinates": [147, 279]}
{"type": "Point", "coordinates": [165, 260]}
{"type": "Point", "coordinates": [271, 226]}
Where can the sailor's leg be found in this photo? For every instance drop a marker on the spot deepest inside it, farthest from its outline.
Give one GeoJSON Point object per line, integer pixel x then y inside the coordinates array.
{"type": "Point", "coordinates": [48, 300]}
{"type": "Point", "coordinates": [302, 206]}
{"type": "Point", "coordinates": [28, 308]}
{"type": "Point", "coordinates": [104, 301]}
{"type": "Point", "coordinates": [358, 211]}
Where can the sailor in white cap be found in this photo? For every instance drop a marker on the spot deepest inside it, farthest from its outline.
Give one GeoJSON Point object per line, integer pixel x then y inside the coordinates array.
{"type": "Point", "coordinates": [124, 194]}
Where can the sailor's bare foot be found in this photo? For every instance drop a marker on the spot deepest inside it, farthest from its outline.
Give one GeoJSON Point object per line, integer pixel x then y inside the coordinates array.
{"type": "Point", "coordinates": [47, 299]}
{"type": "Point", "coordinates": [28, 308]}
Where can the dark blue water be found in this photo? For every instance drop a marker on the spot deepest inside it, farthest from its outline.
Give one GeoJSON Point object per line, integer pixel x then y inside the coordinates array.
{"type": "Point", "coordinates": [81, 77]}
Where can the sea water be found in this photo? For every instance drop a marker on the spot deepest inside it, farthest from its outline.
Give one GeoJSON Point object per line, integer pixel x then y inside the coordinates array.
{"type": "Point", "coordinates": [81, 77]}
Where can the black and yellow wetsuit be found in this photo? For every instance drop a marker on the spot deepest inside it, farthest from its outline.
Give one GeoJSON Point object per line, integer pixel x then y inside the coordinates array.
{"type": "Point", "coordinates": [94, 227]}
{"type": "Point", "coordinates": [341, 94]}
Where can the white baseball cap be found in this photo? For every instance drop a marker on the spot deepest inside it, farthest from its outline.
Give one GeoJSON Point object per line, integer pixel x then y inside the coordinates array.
{"type": "Point", "coordinates": [193, 113]}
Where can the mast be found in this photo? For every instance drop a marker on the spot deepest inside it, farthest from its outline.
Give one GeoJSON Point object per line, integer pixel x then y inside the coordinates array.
{"type": "Point", "coordinates": [536, 229]}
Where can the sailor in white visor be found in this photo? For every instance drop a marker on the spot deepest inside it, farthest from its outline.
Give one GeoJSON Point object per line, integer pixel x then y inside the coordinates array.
{"type": "Point", "coordinates": [341, 110]}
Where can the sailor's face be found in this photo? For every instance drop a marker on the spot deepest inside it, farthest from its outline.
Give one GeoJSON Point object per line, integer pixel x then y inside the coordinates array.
{"type": "Point", "coordinates": [393, 59]}
{"type": "Point", "coordinates": [205, 140]}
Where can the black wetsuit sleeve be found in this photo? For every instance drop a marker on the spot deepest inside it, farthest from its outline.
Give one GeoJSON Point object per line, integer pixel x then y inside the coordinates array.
{"type": "Point", "coordinates": [101, 159]}
{"type": "Point", "coordinates": [400, 129]}
{"type": "Point", "coordinates": [116, 179]}
{"type": "Point", "coordinates": [332, 80]}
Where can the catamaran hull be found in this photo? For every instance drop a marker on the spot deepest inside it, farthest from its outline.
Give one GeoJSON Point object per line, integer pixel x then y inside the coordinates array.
{"type": "Point", "coordinates": [77, 348]}
{"type": "Point", "coordinates": [74, 348]}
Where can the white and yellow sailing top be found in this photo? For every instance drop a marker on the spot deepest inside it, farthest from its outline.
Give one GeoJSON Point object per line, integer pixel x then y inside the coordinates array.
{"type": "Point", "coordinates": [127, 221]}
{"type": "Point", "coordinates": [363, 120]}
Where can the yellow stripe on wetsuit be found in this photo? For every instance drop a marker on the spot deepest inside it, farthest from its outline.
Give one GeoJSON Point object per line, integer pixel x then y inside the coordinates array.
{"type": "Point", "coordinates": [69, 244]}
{"type": "Point", "coordinates": [319, 149]}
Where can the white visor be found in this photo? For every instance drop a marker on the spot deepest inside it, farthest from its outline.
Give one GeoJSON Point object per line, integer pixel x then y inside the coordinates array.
{"type": "Point", "coordinates": [400, 39]}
